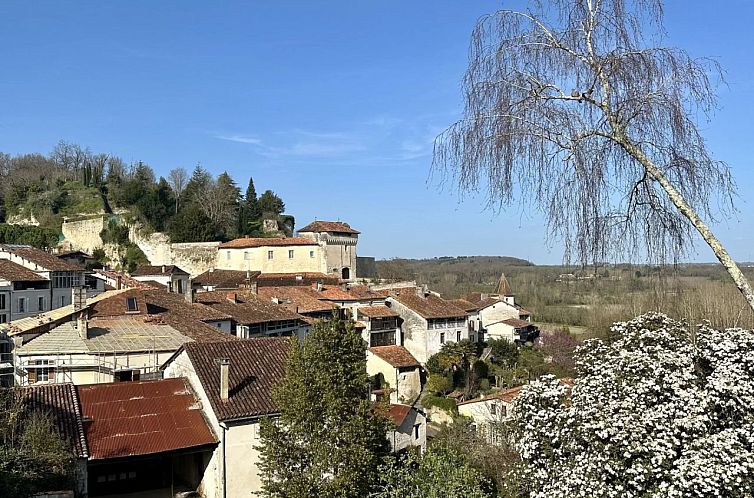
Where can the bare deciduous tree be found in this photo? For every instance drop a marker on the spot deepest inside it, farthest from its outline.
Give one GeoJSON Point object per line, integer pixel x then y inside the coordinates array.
{"type": "Point", "coordinates": [178, 178]}
{"type": "Point", "coordinates": [571, 105]}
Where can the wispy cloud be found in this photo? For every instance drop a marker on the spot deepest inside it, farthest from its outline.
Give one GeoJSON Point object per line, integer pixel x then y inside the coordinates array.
{"type": "Point", "coordinates": [242, 139]}
{"type": "Point", "coordinates": [378, 140]}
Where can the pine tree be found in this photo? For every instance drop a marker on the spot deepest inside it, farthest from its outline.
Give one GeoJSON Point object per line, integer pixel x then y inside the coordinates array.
{"type": "Point", "coordinates": [250, 216]}
{"type": "Point", "coordinates": [329, 441]}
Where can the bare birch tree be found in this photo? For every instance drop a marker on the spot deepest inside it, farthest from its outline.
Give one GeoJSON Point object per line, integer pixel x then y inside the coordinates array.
{"type": "Point", "coordinates": [577, 106]}
{"type": "Point", "coordinates": [177, 178]}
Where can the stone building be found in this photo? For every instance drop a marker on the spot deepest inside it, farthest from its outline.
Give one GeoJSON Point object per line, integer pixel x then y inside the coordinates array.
{"type": "Point", "coordinates": [338, 241]}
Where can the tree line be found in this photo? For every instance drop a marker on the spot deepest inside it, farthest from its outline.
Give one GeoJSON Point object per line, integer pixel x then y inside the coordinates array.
{"type": "Point", "coordinates": [72, 181]}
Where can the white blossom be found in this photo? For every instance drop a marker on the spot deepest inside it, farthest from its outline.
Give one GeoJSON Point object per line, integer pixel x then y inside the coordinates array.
{"type": "Point", "coordinates": [662, 411]}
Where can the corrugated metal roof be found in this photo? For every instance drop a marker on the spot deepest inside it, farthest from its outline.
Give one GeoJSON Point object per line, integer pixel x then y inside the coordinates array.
{"type": "Point", "coordinates": [142, 418]}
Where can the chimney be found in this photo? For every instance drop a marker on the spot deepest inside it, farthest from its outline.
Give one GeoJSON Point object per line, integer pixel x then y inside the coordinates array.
{"type": "Point", "coordinates": [224, 378]}
{"type": "Point", "coordinates": [232, 297]}
{"type": "Point", "coordinates": [162, 270]}
{"type": "Point", "coordinates": [423, 291]}
{"type": "Point", "coordinates": [82, 324]}
{"type": "Point", "coordinates": [320, 286]}
{"type": "Point", "coordinates": [118, 282]}
{"type": "Point", "coordinates": [79, 298]}
{"type": "Point", "coordinates": [189, 295]}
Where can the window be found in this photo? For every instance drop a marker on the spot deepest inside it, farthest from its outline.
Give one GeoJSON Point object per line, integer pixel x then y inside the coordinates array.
{"type": "Point", "coordinates": [442, 337]}
{"type": "Point", "coordinates": [62, 301]}
{"type": "Point", "coordinates": [311, 254]}
{"type": "Point", "coordinates": [65, 279]}
{"type": "Point", "coordinates": [41, 303]}
{"type": "Point", "coordinates": [126, 375]}
{"type": "Point", "coordinates": [39, 374]}
{"type": "Point", "coordinates": [22, 305]}
{"type": "Point", "coordinates": [180, 286]}
{"type": "Point", "coordinates": [416, 431]}
{"type": "Point", "coordinates": [246, 255]}
{"type": "Point", "coordinates": [3, 318]}
{"type": "Point", "coordinates": [458, 336]}
{"type": "Point", "coordinates": [2, 301]}
{"type": "Point", "coordinates": [269, 254]}
{"type": "Point", "coordinates": [131, 304]}
{"type": "Point", "coordinates": [290, 254]}
{"type": "Point", "coordinates": [227, 255]}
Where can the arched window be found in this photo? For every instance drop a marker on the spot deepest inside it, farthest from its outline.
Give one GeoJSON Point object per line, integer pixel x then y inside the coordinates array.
{"type": "Point", "coordinates": [346, 273]}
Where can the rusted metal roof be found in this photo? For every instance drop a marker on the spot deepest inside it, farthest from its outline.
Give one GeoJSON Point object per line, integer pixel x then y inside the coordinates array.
{"type": "Point", "coordinates": [142, 418]}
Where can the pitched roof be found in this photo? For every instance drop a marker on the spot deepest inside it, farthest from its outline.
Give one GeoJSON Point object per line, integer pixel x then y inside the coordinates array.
{"type": "Point", "coordinates": [329, 226]}
{"type": "Point", "coordinates": [256, 366]}
{"type": "Point", "coordinates": [428, 307]}
{"type": "Point", "coordinates": [107, 335]}
{"type": "Point", "coordinates": [301, 278]}
{"type": "Point", "coordinates": [142, 418]}
{"type": "Point", "coordinates": [398, 413]}
{"type": "Point", "coordinates": [298, 298]}
{"type": "Point", "coordinates": [335, 293]}
{"type": "Point", "coordinates": [60, 402]}
{"type": "Point", "coordinates": [247, 308]}
{"type": "Point", "coordinates": [41, 258]}
{"type": "Point", "coordinates": [506, 395]}
{"type": "Point", "coordinates": [151, 270]}
{"type": "Point", "coordinates": [503, 287]}
{"type": "Point", "coordinates": [396, 356]}
{"type": "Point", "coordinates": [224, 279]}
{"type": "Point", "coordinates": [376, 311]}
{"type": "Point", "coordinates": [188, 319]}
{"type": "Point", "coordinates": [364, 293]}
{"type": "Point", "coordinates": [245, 242]}
{"type": "Point", "coordinates": [516, 323]}
{"type": "Point", "coordinates": [463, 304]}
{"type": "Point", "coordinates": [14, 272]}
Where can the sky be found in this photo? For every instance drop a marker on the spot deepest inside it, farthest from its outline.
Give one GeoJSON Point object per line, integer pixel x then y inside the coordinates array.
{"type": "Point", "coordinates": [332, 104]}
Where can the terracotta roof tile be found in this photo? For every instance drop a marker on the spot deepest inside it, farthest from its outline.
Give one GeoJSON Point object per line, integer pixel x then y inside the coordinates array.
{"type": "Point", "coordinates": [515, 322]}
{"type": "Point", "coordinates": [398, 413]}
{"type": "Point", "coordinates": [247, 308]}
{"type": "Point", "coordinates": [428, 307]}
{"type": "Point", "coordinates": [302, 278]}
{"type": "Point", "coordinates": [256, 366]}
{"type": "Point", "coordinates": [329, 226]}
{"type": "Point", "coordinates": [245, 242]}
{"type": "Point", "coordinates": [224, 279]}
{"type": "Point", "coordinates": [397, 356]}
{"type": "Point", "coordinates": [376, 311]}
{"type": "Point", "coordinates": [151, 270]}
{"type": "Point", "coordinates": [303, 298]}
{"type": "Point", "coordinates": [463, 304]}
{"type": "Point", "coordinates": [61, 402]}
{"type": "Point", "coordinates": [14, 272]}
{"type": "Point", "coordinates": [142, 418]}
{"type": "Point", "coordinates": [43, 259]}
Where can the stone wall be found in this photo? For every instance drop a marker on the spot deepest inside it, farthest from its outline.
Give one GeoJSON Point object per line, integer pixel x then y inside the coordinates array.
{"type": "Point", "coordinates": [83, 235]}
{"type": "Point", "coordinates": [194, 257]}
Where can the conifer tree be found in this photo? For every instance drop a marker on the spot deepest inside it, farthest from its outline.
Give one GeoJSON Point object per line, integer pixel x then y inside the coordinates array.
{"type": "Point", "coordinates": [249, 216]}
{"type": "Point", "coordinates": [329, 440]}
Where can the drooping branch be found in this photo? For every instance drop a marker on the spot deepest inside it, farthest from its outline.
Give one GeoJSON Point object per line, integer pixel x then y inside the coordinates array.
{"type": "Point", "coordinates": [569, 104]}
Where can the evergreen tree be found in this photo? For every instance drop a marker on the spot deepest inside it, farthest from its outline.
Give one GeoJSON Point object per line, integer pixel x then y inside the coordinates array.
{"type": "Point", "coordinates": [250, 216]}
{"type": "Point", "coordinates": [192, 225]}
{"type": "Point", "coordinates": [197, 186]}
{"type": "Point", "coordinates": [271, 204]}
{"type": "Point", "coordinates": [329, 441]}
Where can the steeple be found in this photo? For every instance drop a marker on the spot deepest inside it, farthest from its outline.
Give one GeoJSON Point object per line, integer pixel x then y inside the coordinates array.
{"type": "Point", "coordinates": [503, 287]}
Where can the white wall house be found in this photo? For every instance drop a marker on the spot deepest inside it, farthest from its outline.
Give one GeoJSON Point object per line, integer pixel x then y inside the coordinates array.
{"type": "Point", "coordinates": [233, 382]}
{"type": "Point", "coordinates": [173, 278]}
{"type": "Point", "coordinates": [399, 369]}
{"type": "Point", "coordinates": [428, 321]}
{"type": "Point", "coordinates": [409, 428]}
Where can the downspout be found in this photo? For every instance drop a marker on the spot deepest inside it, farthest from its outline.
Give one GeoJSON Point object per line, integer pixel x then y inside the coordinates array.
{"type": "Point", "coordinates": [224, 428]}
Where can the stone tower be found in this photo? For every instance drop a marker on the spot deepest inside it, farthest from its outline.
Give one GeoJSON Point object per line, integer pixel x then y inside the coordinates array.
{"type": "Point", "coordinates": [338, 241]}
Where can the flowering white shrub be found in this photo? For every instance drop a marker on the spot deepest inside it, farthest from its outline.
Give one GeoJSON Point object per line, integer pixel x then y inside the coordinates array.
{"type": "Point", "coordinates": [662, 411]}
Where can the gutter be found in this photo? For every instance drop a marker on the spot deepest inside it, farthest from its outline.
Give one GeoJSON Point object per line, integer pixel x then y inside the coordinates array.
{"type": "Point", "coordinates": [224, 476]}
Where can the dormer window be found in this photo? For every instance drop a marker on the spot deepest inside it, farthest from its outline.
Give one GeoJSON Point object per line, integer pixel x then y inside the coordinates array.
{"type": "Point", "coordinates": [131, 305]}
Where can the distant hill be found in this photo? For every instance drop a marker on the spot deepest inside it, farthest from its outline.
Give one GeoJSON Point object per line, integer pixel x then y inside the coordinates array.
{"type": "Point", "coordinates": [452, 275]}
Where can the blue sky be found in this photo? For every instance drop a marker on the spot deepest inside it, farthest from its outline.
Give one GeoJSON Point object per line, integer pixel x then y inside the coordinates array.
{"type": "Point", "coordinates": [333, 104]}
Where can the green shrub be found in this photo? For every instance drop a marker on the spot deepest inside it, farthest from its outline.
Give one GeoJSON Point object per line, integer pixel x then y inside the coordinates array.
{"type": "Point", "coordinates": [439, 383]}
{"type": "Point", "coordinates": [447, 404]}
